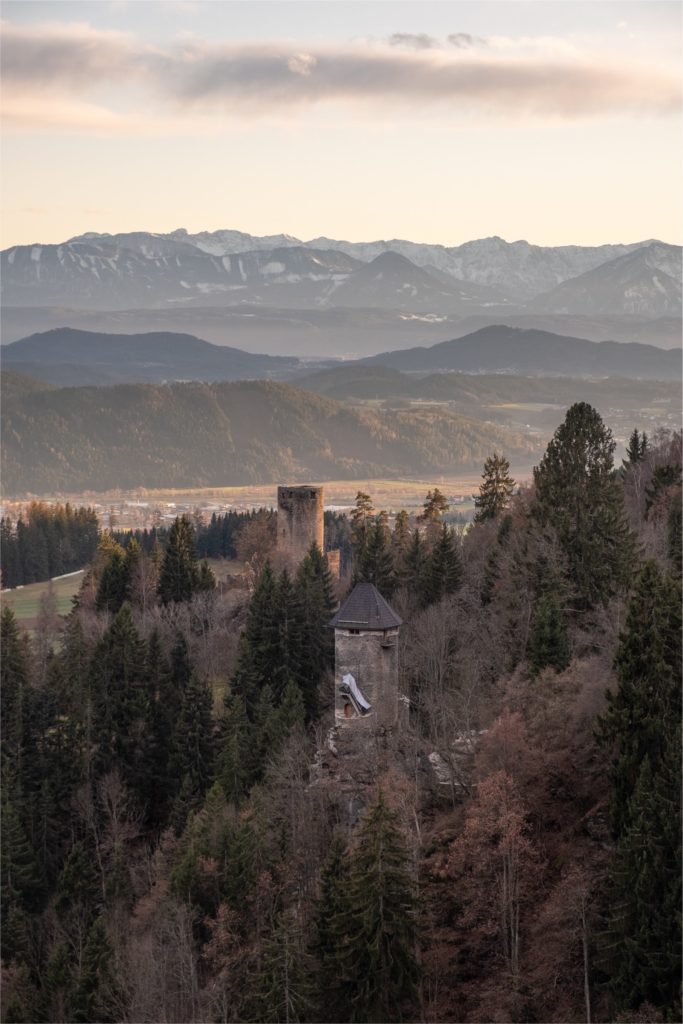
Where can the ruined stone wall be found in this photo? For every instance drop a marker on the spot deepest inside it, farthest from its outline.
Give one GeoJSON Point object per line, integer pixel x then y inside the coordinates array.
{"type": "Point", "coordinates": [300, 521]}
{"type": "Point", "coordinates": [372, 659]}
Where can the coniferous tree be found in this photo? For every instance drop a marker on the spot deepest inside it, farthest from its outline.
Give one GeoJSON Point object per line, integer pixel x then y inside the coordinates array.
{"type": "Point", "coordinates": [663, 477]}
{"type": "Point", "coordinates": [179, 573]}
{"type": "Point", "coordinates": [282, 990]}
{"type": "Point", "coordinates": [377, 958]}
{"type": "Point", "coordinates": [96, 997]}
{"type": "Point", "coordinates": [333, 994]}
{"type": "Point", "coordinates": [235, 766]}
{"type": "Point", "coordinates": [579, 495]}
{"type": "Point", "coordinates": [193, 751]}
{"type": "Point", "coordinates": [413, 567]}
{"type": "Point", "coordinates": [113, 586]}
{"type": "Point", "coordinates": [496, 489]}
{"type": "Point", "coordinates": [400, 541]}
{"type": "Point", "coordinates": [443, 569]}
{"type": "Point", "coordinates": [361, 523]}
{"type": "Point", "coordinates": [434, 506]}
{"type": "Point", "coordinates": [548, 639]}
{"type": "Point", "coordinates": [314, 604]}
{"type": "Point", "coordinates": [260, 643]}
{"type": "Point", "coordinates": [636, 449]}
{"type": "Point", "coordinates": [641, 726]}
{"type": "Point", "coordinates": [117, 677]}
{"type": "Point", "coordinates": [376, 564]}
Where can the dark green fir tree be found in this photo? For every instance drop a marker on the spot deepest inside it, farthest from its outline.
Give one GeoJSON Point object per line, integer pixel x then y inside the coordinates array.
{"type": "Point", "coordinates": [580, 496]}
{"type": "Point", "coordinates": [495, 490]}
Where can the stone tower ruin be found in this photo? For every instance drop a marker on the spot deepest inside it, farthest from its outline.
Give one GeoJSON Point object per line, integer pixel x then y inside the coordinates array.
{"type": "Point", "coordinates": [300, 521]}
{"type": "Point", "coordinates": [366, 662]}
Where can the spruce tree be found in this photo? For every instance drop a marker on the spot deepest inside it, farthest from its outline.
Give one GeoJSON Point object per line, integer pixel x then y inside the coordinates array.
{"type": "Point", "coordinates": [548, 638]}
{"type": "Point", "coordinates": [179, 575]}
{"type": "Point", "coordinates": [333, 995]}
{"type": "Point", "coordinates": [260, 643]}
{"type": "Point", "coordinates": [443, 569]}
{"type": "Point", "coordinates": [377, 958]}
{"type": "Point", "coordinates": [414, 563]}
{"type": "Point", "coordinates": [580, 496]}
{"type": "Point", "coordinates": [496, 489]}
{"type": "Point", "coordinates": [641, 727]}
{"type": "Point", "coordinates": [314, 604]}
{"type": "Point", "coordinates": [636, 449]}
{"type": "Point", "coordinates": [376, 564]}
{"type": "Point", "coordinates": [193, 750]}
{"type": "Point", "coordinates": [282, 990]}
{"type": "Point", "coordinates": [113, 586]}
{"type": "Point", "coordinates": [235, 768]}
{"type": "Point", "coordinates": [117, 677]}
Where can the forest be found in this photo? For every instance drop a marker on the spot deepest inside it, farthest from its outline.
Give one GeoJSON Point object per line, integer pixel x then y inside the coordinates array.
{"type": "Point", "coordinates": [171, 853]}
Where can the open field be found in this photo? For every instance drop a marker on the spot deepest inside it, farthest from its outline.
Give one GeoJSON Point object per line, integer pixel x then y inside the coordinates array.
{"type": "Point", "coordinates": [25, 601]}
{"type": "Point", "coordinates": [389, 494]}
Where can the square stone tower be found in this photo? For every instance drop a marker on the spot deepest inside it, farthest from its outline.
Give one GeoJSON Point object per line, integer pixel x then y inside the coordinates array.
{"type": "Point", "coordinates": [300, 521]}
{"type": "Point", "coordinates": [366, 661]}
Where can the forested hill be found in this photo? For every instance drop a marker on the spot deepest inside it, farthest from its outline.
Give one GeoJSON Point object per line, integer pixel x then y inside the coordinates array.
{"type": "Point", "coordinates": [69, 357]}
{"type": "Point", "coordinates": [501, 349]}
{"type": "Point", "coordinates": [194, 434]}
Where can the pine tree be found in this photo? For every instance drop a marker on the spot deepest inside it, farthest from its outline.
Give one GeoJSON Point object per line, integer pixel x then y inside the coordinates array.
{"type": "Point", "coordinates": [579, 495]}
{"type": "Point", "coordinates": [496, 489]}
{"type": "Point", "coordinates": [400, 541]}
{"type": "Point", "coordinates": [113, 586]}
{"type": "Point", "coordinates": [443, 569]}
{"type": "Point", "coordinates": [179, 575]}
{"type": "Point", "coordinates": [434, 506]}
{"type": "Point", "coordinates": [377, 959]}
{"type": "Point", "coordinates": [361, 522]}
{"type": "Point", "coordinates": [641, 726]}
{"type": "Point", "coordinates": [548, 639]}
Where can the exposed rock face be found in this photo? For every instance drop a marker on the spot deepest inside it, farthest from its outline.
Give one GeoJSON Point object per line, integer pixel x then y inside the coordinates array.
{"type": "Point", "coordinates": [300, 521]}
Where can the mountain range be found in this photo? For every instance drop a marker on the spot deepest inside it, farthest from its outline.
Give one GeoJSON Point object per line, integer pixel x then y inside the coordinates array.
{"type": "Point", "coordinates": [177, 271]}
{"type": "Point", "coordinates": [68, 357]}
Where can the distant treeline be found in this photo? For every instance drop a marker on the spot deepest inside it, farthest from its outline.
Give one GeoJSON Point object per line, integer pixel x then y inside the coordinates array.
{"type": "Point", "coordinates": [46, 541]}
{"type": "Point", "coordinates": [218, 538]}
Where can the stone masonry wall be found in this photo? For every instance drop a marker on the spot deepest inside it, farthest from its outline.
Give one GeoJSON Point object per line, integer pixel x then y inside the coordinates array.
{"type": "Point", "coordinates": [372, 659]}
{"type": "Point", "coordinates": [300, 521]}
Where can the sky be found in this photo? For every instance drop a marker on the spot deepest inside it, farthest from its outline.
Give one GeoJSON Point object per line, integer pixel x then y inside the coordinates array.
{"type": "Point", "coordinates": [557, 121]}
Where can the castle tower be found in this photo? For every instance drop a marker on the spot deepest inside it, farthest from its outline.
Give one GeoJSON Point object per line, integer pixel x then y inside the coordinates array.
{"type": "Point", "coordinates": [366, 661]}
{"type": "Point", "coordinates": [299, 521]}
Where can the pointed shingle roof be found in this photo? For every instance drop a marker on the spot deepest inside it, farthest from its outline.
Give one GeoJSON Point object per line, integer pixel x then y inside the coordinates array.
{"type": "Point", "coordinates": [365, 608]}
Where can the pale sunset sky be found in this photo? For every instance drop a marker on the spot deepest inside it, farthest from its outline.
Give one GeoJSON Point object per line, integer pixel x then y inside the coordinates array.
{"type": "Point", "coordinates": [558, 121]}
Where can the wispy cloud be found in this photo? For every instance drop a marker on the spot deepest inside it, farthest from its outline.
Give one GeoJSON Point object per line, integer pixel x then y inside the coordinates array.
{"type": "Point", "coordinates": [77, 64]}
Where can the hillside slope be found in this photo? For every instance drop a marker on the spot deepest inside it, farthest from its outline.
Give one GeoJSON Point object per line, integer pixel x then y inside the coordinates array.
{"type": "Point", "coordinates": [190, 435]}
{"type": "Point", "coordinates": [501, 349]}
{"type": "Point", "coordinates": [71, 357]}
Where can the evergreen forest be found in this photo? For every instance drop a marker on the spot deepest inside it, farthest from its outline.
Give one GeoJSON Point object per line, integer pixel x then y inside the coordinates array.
{"type": "Point", "coordinates": [174, 851]}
